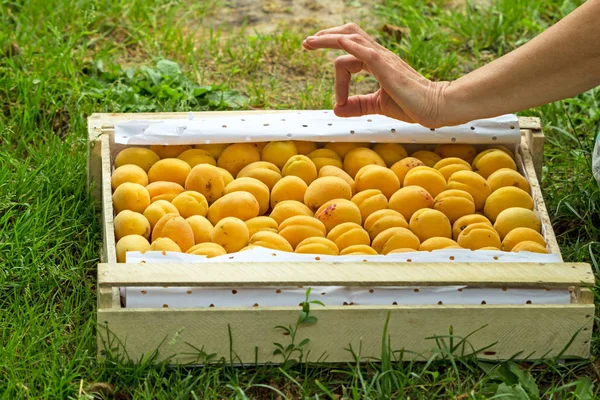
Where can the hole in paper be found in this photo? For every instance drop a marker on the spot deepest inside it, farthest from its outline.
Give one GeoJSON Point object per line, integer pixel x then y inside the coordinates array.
{"type": "Point", "coordinates": [528, 302]}
{"type": "Point", "coordinates": [212, 305]}
{"type": "Point", "coordinates": [472, 128]}
{"type": "Point", "coordinates": [416, 290]}
{"type": "Point", "coordinates": [248, 138]}
{"type": "Point", "coordinates": [345, 303]}
{"type": "Point", "coordinates": [364, 260]}
{"type": "Point", "coordinates": [393, 130]}
{"type": "Point", "coordinates": [371, 291]}
{"type": "Point", "coordinates": [451, 258]}
{"type": "Point", "coordinates": [305, 126]}
{"type": "Point", "coordinates": [289, 135]}
{"type": "Point", "coordinates": [512, 127]}
{"type": "Point", "coordinates": [317, 258]}
{"type": "Point", "coordinates": [483, 302]}
{"type": "Point", "coordinates": [165, 306]}
{"type": "Point", "coordinates": [243, 120]}
{"type": "Point", "coordinates": [255, 305]}
{"type": "Point", "coordinates": [330, 124]}
{"type": "Point", "coordinates": [265, 124]}
{"type": "Point", "coordinates": [453, 139]}
{"type": "Point", "coordinates": [409, 260]}
{"type": "Point", "coordinates": [231, 258]}
{"type": "Point", "coordinates": [278, 291]}
{"type": "Point", "coordinates": [323, 294]}
{"type": "Point", "coordinates": [274, 255]}
{"type": "Point", "coordinates": [234, 291]}
{"type": "Point", "coordinates": [223, 126]}
{"type": "Point", "coordinates": [189, 292]}
{"type": "Point", "coordinates": [504, 289]}
{"type": "Point", "coordinates": [144, 292]}
{"type": "Point", "coordinates": [207, 141]}
{"type": "Point", "coordinates": [495, 257]}
{"type": "Point", "coordinates": [432, 129]}
{"type": "Point", "coordinates": [283, 119]}
{"type": "Point", "coordinates": [460, 289]}
{"type": "Point", "coordinates": [494, 138]}
{"type": "Point", "coordinates": [440, 303]}
{"type": "Point", "coordinates": [352, 132]}
{"type": "Point", "coordinates": [369, 120]}
{"type": "Point", "coordinates": [394, 303]}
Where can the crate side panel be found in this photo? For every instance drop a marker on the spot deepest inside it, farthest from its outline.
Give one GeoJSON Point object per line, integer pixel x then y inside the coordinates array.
{"type": "Point", "coordinates": [528, 332]}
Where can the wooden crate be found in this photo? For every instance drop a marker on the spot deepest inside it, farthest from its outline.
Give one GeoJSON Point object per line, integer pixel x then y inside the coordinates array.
{"type": "Point", "coordinates": [527, 331]}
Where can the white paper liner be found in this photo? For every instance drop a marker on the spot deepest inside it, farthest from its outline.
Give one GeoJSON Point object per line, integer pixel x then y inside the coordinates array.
{"type": "Point", "coordinates": [318, 125]}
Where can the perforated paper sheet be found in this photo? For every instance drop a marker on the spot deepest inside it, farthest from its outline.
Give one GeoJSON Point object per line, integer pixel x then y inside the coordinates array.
{"type": "Point", "coordinates": [318, 125]}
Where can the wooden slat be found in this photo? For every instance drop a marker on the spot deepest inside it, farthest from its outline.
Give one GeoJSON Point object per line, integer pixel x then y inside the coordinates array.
{"type": "Point", "coordinates": [533, 123]}
{"type": "Point", "coordinates": [94, 159]}
{"type": "Point", "coordinates": [109, 245]}
{"type": "Point", "coordinates": [347, 274]}
{"type": "Point", "coordinates": [531, 331]}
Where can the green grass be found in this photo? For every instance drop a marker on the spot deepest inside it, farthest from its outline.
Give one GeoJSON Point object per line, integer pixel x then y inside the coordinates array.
{"type": "Point", "coordinates": [77, 57]}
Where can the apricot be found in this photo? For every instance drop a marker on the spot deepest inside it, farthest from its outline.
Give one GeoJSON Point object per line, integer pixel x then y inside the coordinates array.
{"type": "Point", "coordinates": [519, 235]}
{"type": "Point", "coordinates": [516, 217]}
{"type": "Point", "coordinates": [429, 158]}
{"type": "Point", "coordinates": [358, 249]}
{"type": "Point", "coordinates": [302, 167]}
{"type": "Point", "coordinates": [508, 177]}
{"type": "Point", "coordinates": [381, 220]}
{"type": "Point", "coordinates": [369, 201]}
{"type": "Point", "coordinates": [331, 170]}
{"type": "Point", "coordinates": [128, 173]}
{"type": "Point", "coordinates": [465, 152]}
{"type": "Point", "coordinates": [395, 238]}
{"type": "Point", "coordinates": [207, 249]}
{"type": "Point", "coordinates": [231, 233]}
{"type": "Point", "coordinates": [304, 147]}
{"type": "Point", "coordinates": [391, 153]}
{"type": "Point", "coordinates": [530, 246]}
{"type": "Point", "coordinates": [324, 189]}
{"type": "Point", "coordinates": [454, 204]}
{"type": "Point", "coordinates": [288, 188]}
{"type": "Point", "coordinates": [410, 199]}
{"type": "Point", "coordinates": [376, 177]}
{"type": "Point", "coordinates": [165, 191]}
{"type": "Point", "coordinates": [428, 178]}
{"type": "Point", "coordinates": [402, 250]}
{"type": "Point", "coordinates": [214, 149]}
{"type": "Point", "coordinates": [131, 196]}
{"type": "Point", "coordinates": [191, 203]}
{"type": "Point", "coordinates": [461, 223]}
{"type": "Point", "coordinates": [131, 243]}
{"type": "Point", "coordinates": [157, 210]}
{"type": "Point", "coordinates": [201, 227]}
{"type": "Point", "coordinates": [259, 190]}
{"type": "Point", "coordinates": [164, 244]}
{"type": "Point", "coordinates": [279, 152]}
{"type": "Point", "coordinates": [270, 240]}
{"type": "Point", "coordinates": [170, 170]}
{"type": "Point", "coordinates": [237, 156]}
{"type": "Point", "coordinates": [437, 243]}
{"type": "Point", "coordinates": [338, 211]}
{"type": "Point", "coordinates": [227, 177]}
{"type": "Point", "coordinates": [490, 161]}
{"type": "Point", "coordinates": [506, 197]}
{"type": "Point", "coordinates": [504, 149]}
{"type": "Point", "coordinates": [239, 204]}
{"type": "Point", "coordinates": [289, 208]}
{"type": "Point", "coordinates": [348, 234]}
{"type": "Point", "coordinates": [207, 180]}
{"type": "Point", "coordinates": [472, 183]}
{"type": "Point", "coordinates": [342, 148]}
{"type": "Point", "coordinates": [448, 170]}
{"type": "Point", "coordinates": [197, 156]}
{"type": "Point", "coordinates": [169, 151]}
{"type": "Point", "coordinates": [131, 223]}
{"type": "Point", "coordinates": [297, 228]}
{"type": "Point", "coordinates": [317, 245]}
{"type": "Point", "coordinates": [266, 172]}
{"type": "Point", "coordinates": [402, 167]}
{"type": "Point", "coordinates": [428, 223]}
{"type": "Point", "coordinates": [478, 235]}
{"type": "Point", "coordinates": [175, 228]}
{"type": "Point", "coordinates": [140, 156]}
{"type": "Point", "coordinates": [261, 224]}
{"type": "Point", "coordinates": [323, 157]}
{"type": "Point", "coordinates": [357, 158]}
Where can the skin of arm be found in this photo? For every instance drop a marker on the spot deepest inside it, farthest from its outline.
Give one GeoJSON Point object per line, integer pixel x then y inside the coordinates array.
{"type": "Point", "coordinates": [561, 62]}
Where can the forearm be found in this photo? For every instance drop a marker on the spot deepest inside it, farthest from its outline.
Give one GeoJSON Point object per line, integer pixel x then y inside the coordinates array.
{"type": "Point", "coordinates": [559, 63]}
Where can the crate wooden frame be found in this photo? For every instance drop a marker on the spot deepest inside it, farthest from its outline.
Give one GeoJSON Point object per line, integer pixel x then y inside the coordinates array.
{"type": "Point", "coordinates": [247, 334]}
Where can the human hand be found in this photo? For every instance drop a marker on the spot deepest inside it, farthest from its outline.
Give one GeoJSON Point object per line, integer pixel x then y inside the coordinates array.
{"type": "Point", "coordinates": [404, 94]}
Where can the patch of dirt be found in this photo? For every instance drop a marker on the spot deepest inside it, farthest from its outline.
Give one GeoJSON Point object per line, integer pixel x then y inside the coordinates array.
{"type": "Point", "coordinates": [266, 15]}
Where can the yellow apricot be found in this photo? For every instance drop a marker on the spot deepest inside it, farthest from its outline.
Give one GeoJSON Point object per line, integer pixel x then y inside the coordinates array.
{"type": "Point", "coordinates": [410, 199]}
{"type": "Point", "coordinates": [157, 210]}
{"type": "Point", "coordinates": [259, 190]}
{"type": "Point", "coordinates": [381, 220]}
{"type": "Point", "coordinates": [279, 153]}
{"type": "Point", "coordinates": [437, 243]}
{"type": "Point", "coordinates": [508, 177]}
{"type": "Point", "coordinates": [461, 223]}
{"type": "Point", "coordinates": [215, 149]}
{"type": "Point", "coordinates": [331, 170]}
{"type": "Point", "coordinates": [324, 189]}
{"type": "Point", "coordinates": [303, 220]}
{"type": "Point", "coordinates": [169, 151]}
{"type": "Point", "coordinates": [477, 236]}
{"type": "Point", "coordinates": [288, 188]}
{"type": "Point", "coordinates": [506, 197]}
{"type": "Point", "coordinates": [348, 234]}
{"type": "Point", "coordinates": [197, 156]}
{"type": "Point", "coordinates": [297, 228]}
{"type": "Point", "coordinates": [376, 177]}
{"type": "Point", "coordinates": [170, 170]}
{"type": "Point", "coordinates": [391, 153]}
{"type": "Point", "coordinates": [369, 201]}
{"type": "Point", "coordinates": [428, 223]}
{"type": "Point", "coordinates": [519, 235]}
{"type": "Point", "coordinates": [131, 196]}
{"type": "Point", "coordinates": [402, 167]}
{"type": "Point", "coordinates": [342, 148]}
{"type": "Point", "coordinates": [130, 243]}
{"type": "Point", "coordinates": [429, 158]}
{"type": "Point", "coordinates": [490, 161]}
{"type": "Point", "coordinates": [131, 223]}
{"type": "Point", "coordinates": [237, 156]}
{"type": "Point", "coordinates": [201, 227]}
{"type": "Point", "coordinates": [227, 177]}
{"type": "Point", "coordinates": [358, 249]}
{"type": "Point", "coordinates": [338, 211]}
{"type": "Point", "coordinates": [516, 217]}
{"type": "Point", "coordinates": [128, 173]}
{"type": "Point", "coordinates": [270, 240]}
{"type": "Point", "coordinates": [165, 191]}
{"type": "Point", "coordinates": [317, 245]}
{"type": "Point", "coordinates": [530, 246]}
{"type": "Point", "coordinates": [239, 204]}
{"type": "Point", "coordinates": [164, 244]}
{"type": "Point", "coordinates": [454, 204]}
{"type": "Point", "coordinates": [305, 147]}
{"type": "Point", "coordinates": [231, 233]}
{"type": "Point", "coordinates": [207, 180]}
{"type": "Point", "coordinates": [358, 157]}
{"type": "Point", "coordinates": [472, 183]}
{"type": "Point", "coordinates": [207, 249]}
{"type": "Point", "coordinates": [428, 178]}
{"type": "Point", "coordinates": [289, 208]}
{"type": "Point", "coordinates": [465, 152]}
{"type": "Point", "coordinates": [395, 238]}
{"type": "Point", "coordinates": [175, 228]}
{"type": "Point", "coordinates": [260, 224]}
{"type": "Point", "coordinates": [302, 167]}
{"type": "Point", "coordinates": [191, 203]}
{"type": "Point", "coordinates": [140, 156]}
{"type": "Point", "coordinates": [402, 250]}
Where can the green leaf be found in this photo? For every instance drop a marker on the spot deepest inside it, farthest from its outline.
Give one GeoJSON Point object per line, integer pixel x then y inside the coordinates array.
{"type": "Point", "coordinates": [303, 343]}
{"type": "Point", "coordinates": [310, 319]}
{"type": "Point", "coordinates": [152, 74]}
{"type": "Point", "coordinates": [201, 90]}
{"type": "Point", "coordinates": [168, 68]}
{"type": "Point", "coordinates": [303, 316]}
{"type": "Point", "coordinates": [515, 392]}
{"type": "Point", "coordinates": [525, 380]}
{"type": "Point", "coordinates": [584, 389]}
{"type": "Point", "coordinates": [317, 302]}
